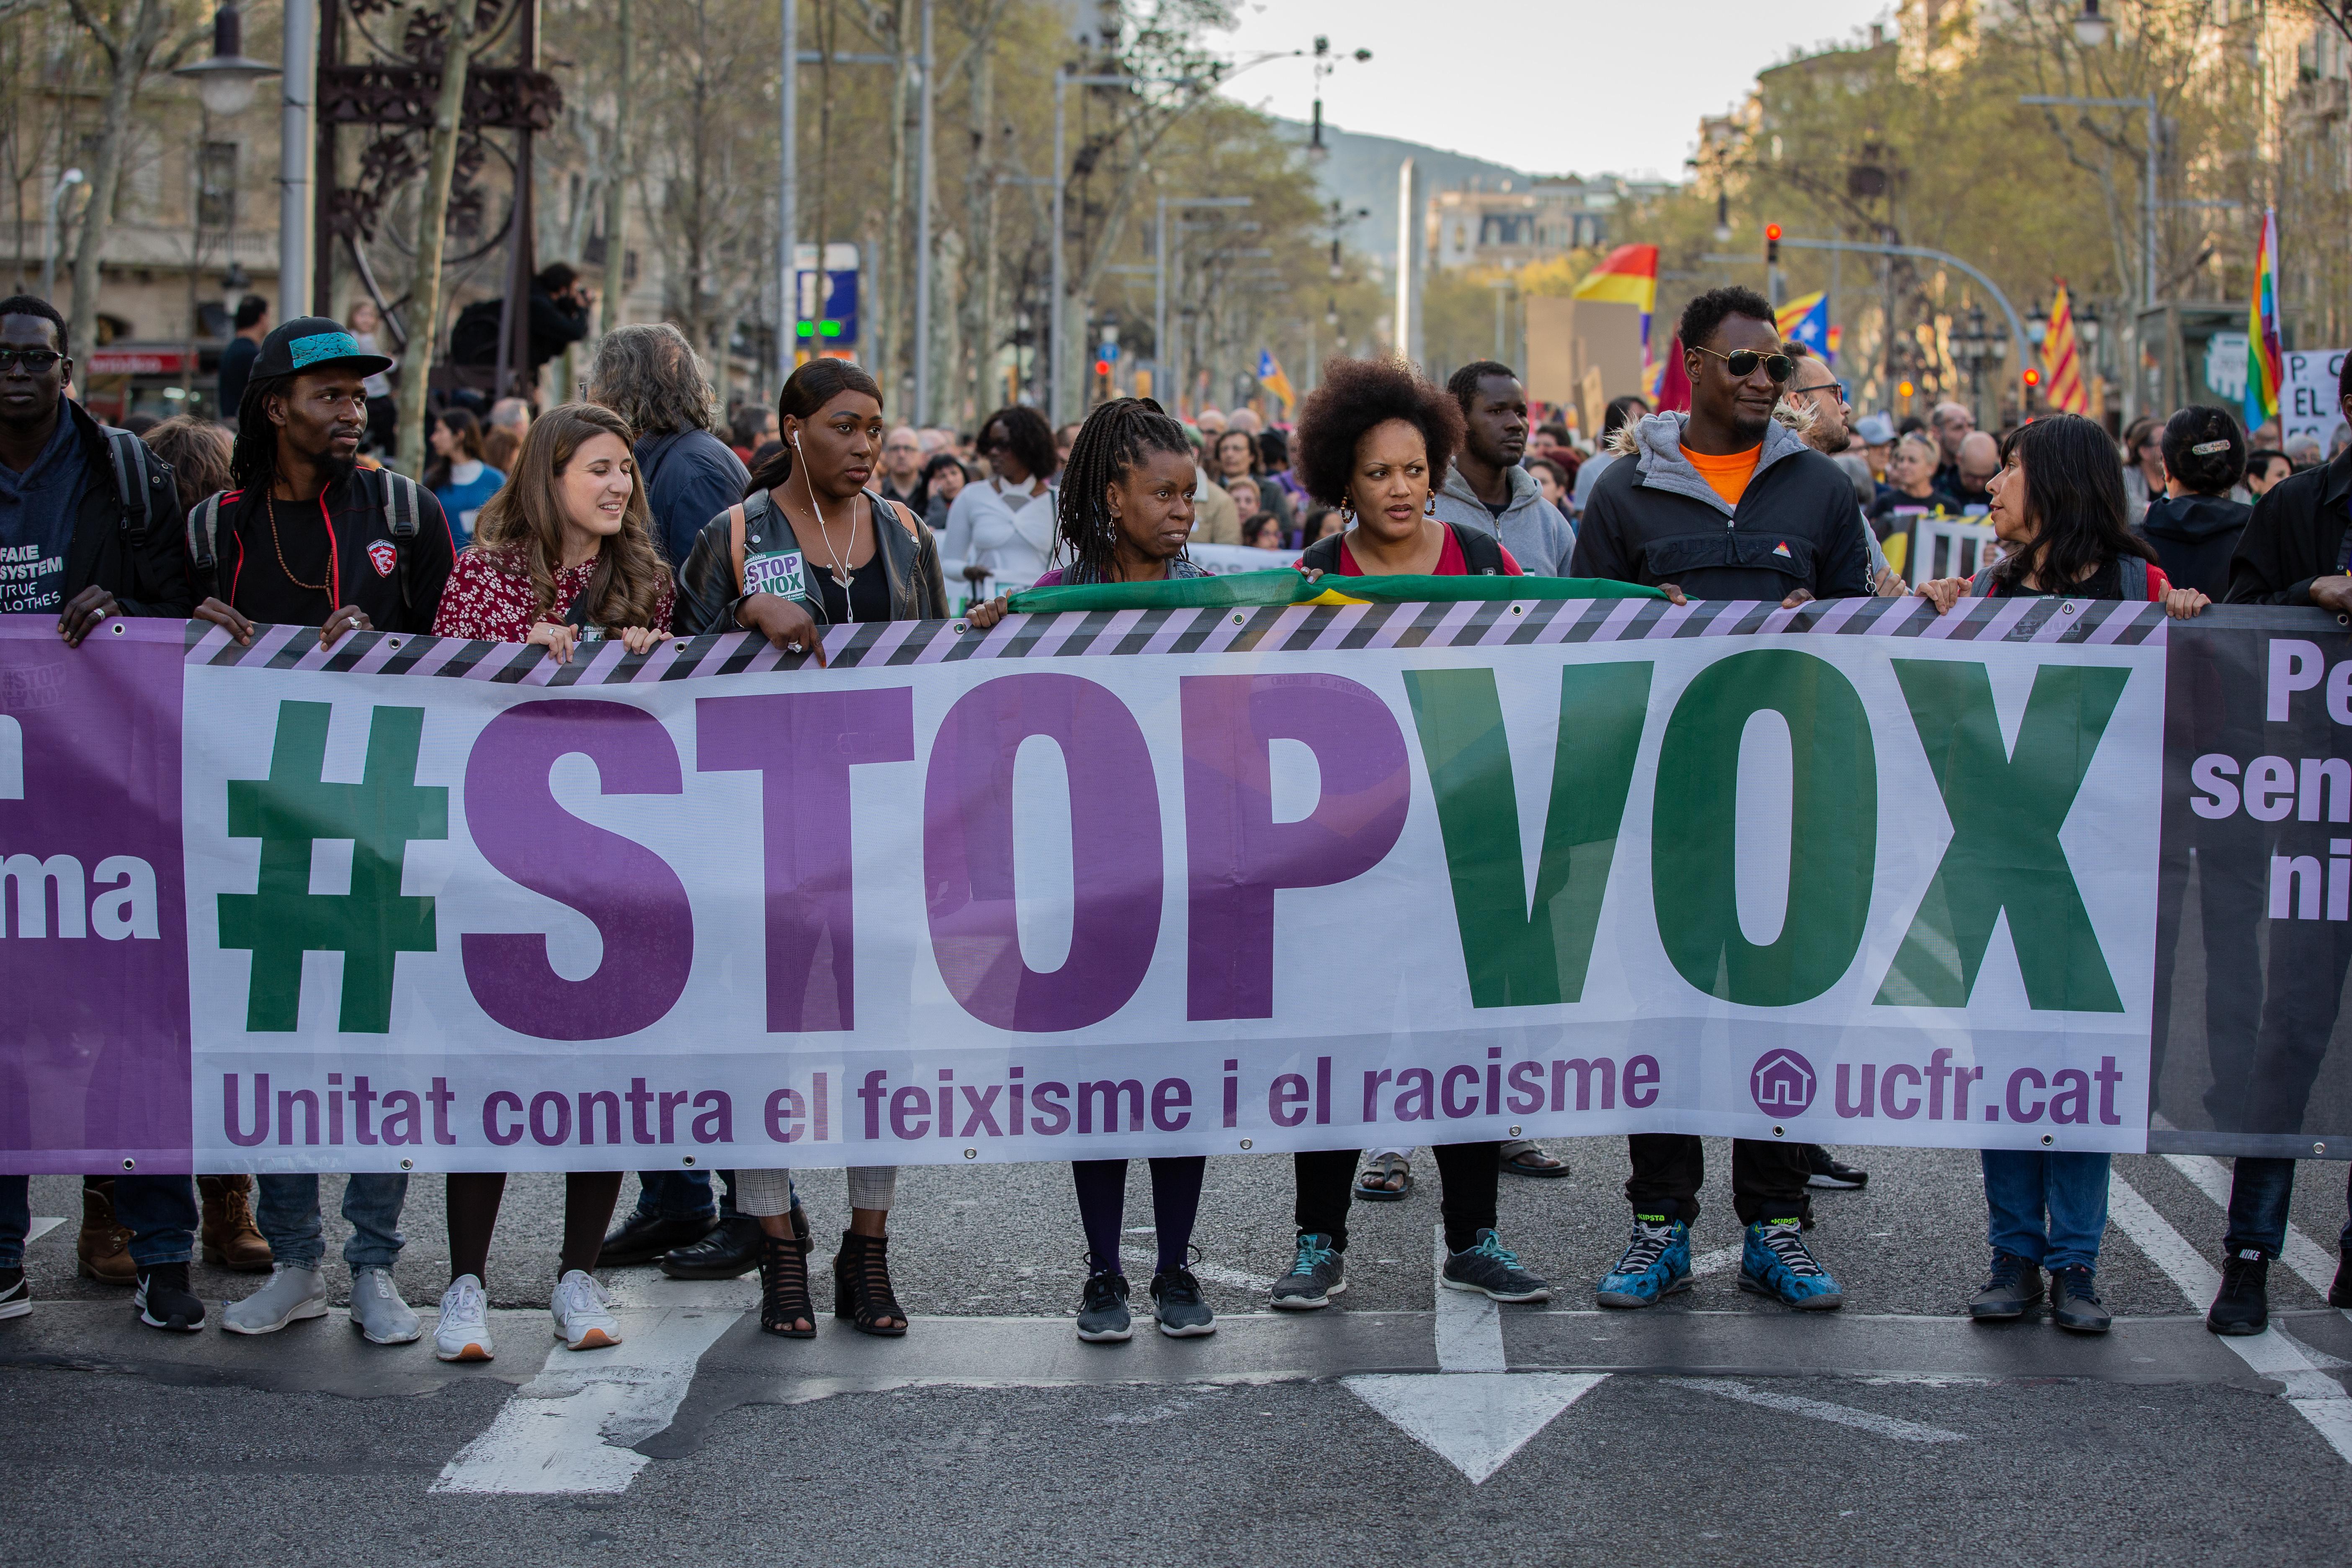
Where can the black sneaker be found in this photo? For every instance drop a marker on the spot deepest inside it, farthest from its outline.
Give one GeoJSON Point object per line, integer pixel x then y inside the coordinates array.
{"type": "Point", "coordinates": [15, 1297]}
{"type": "Point", "coordinates": [2339, 1294]}
{"type": "Point", "coordinates": [642, 1237]}
{"type": "Point", "coordinates": [1316, 1274]}
{"type": "Point", "coordinates": [1492, 1270]}
{"type": "Point", "coordinates": [2014, 1288]}
{"type": "Point", "coordinates": [1102, 1311]}
{"type": "Point", "coordinates": [1824, 1170]}
{"type": "Point", "coordinates": [2243, 1305]}
{"type": "Point", "coordinates": [2074, 1302]}
{"type": "Point", "coordinates": [164, 1300]}
{"type": "Point", "coordinates": [1176, 1303]}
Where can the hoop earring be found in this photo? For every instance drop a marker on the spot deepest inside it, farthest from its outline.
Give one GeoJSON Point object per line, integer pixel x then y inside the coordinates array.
{"type": "Point", "coordinates": [1348, 512]}
{"type": "Point", "coordinates": [1429, 507]}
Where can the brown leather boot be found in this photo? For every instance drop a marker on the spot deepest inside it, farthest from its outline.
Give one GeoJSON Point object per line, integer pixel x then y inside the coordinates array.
{"type": "Point", "coordinates": [230, 1239]}
{"type": "Point", "coordinates": [102, 1252]}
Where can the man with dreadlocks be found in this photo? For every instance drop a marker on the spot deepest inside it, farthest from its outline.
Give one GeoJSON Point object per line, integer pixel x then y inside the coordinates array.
{"type": "Point", "coordinates": [309, 539]}
{"type": "Point", "coordinates": [1126, 509]}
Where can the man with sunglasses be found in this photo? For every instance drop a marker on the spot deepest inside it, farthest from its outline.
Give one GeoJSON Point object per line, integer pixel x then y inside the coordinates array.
{"type": "Point", "coordinates": [88, 531]}
{"type": "Point", "coordinates": [1725, 503]}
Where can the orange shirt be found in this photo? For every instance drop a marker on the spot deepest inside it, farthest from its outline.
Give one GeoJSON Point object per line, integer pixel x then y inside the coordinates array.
{"type": "Point", "coordinates": [1726, 477]}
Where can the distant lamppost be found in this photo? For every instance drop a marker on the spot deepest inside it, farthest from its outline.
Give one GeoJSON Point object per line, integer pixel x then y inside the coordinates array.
{"type": "Point", "coordinates": [226, 82]}
{"type": "Point", "coordinates": [2090, 28]}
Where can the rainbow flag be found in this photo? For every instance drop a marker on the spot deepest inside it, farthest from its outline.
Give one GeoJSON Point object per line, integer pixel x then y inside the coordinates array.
{"type": "Point", "coordinates": [2062, 363]}
{"type": "Point", "coordinates": [1271, 377]}
{"type": "Point", "coordinates": [2263, 358]}
{"type": "Point", "coordinates": [1626, 275]}
{"type": "Point", "coordinates": [1806, 319]}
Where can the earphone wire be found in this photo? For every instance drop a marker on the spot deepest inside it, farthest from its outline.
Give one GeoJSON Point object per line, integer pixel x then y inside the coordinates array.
{"type": "Point", "coordinates": [824, 530]}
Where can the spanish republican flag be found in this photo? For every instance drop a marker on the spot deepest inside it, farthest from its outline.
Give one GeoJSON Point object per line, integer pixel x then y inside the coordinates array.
{"type": "Point", "coordinates": [1271, 377]}
{"type": "Point", "coordinates": [1629, 276]}
{"type": "Point", "coordinates": [2264, 367]}
{"type": "Point", "coordinates": [2061, 366]}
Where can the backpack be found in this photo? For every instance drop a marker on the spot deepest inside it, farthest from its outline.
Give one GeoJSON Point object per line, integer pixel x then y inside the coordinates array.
{"type": "Point", "coordinates": [398, 501]}
{"type": "Point", "coordinates": [2131, 568]}
{"type": "Point", "coordinates": [1482, 553]}
{"type": "Point", "coordinates": [139, 474]}
{"type": "Point", "coordinates": [474, 336]}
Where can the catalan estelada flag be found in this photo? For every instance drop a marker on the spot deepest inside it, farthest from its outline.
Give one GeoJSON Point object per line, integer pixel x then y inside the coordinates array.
{"type": "Point", "coordinates": [1626, 275]}
{"type": "Point", "coordinates": [2263, 358]}
{"type": "Point", "coordinates": [1806, 319]}
{"type": "Point", "coordinates": [2062, 359]}
{"type": "Point", "coordinates": [1271, 377]}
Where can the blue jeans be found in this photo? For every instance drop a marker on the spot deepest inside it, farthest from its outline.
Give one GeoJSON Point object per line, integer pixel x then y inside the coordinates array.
{"type": "Point", "coordinates": [682, 1195]}
{"type": "Point", "coordinates": [288, 1215]}
{"type": "Point", "coordinates": [15, 1219]}
{"type": "Point", "coordinates": [2047, 1208]}
{"type": "Point", "coordinates": [2260, 1193]}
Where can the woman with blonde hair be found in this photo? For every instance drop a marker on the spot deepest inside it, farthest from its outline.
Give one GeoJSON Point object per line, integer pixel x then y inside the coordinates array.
{"type": "Point", "coordinates": [562, 552]}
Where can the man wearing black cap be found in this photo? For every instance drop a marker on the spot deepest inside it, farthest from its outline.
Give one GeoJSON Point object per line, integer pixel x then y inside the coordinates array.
{"type": "Point", "coordinates": [311, 539]}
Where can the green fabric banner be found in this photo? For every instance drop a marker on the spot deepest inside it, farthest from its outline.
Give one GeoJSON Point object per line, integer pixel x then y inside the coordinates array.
{"type": "Point", "coordinates": [1290, 586]}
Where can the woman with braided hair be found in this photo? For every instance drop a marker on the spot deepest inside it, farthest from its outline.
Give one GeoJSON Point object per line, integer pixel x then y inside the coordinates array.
{"type": "Point", "coordinates": [1125, 509]}
{"type": "Point", "coordinates": [1125, 504]}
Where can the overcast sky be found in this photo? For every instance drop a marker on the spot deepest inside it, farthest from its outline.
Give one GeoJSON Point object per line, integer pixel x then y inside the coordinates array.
{"type": "Point", "coordinates": [1572, 86]}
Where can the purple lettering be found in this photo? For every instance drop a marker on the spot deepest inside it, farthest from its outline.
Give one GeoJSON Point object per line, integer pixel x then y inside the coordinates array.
{"type": "Point", "coordinates": [492, 1129]}
{"type": "Point", "coordinates": [1907, 1109]}
{"type": "Point", "coordinates": [237, 1135]}
{"type": "Point", "coordinates": [786, 1109]}
{"type": "Point", "coordinates": [1458, 1074]}
{"type": "Point", "coordinates": [1285, 1100]}
{"type": "Point", "coordinates": [1171, 1102]}
{"type": "Point", "coordinates": [1640, 1082]}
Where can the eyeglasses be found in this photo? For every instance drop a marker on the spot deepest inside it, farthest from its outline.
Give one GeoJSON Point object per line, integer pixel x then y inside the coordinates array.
{"type": "Point", "coordinates": [1742, 364]}
{"type": "Point", "coordinates": [40, 362]}
{"type": "Point", "coordinates": [1836, 386]}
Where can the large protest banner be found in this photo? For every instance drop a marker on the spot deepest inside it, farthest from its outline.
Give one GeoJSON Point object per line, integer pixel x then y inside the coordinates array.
{"type": "Point", "coordinates": [1107, 882]}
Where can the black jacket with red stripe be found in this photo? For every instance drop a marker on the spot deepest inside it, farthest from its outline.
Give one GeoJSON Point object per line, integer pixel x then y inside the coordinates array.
{"type": "Point", "coordinates": [397, 582]}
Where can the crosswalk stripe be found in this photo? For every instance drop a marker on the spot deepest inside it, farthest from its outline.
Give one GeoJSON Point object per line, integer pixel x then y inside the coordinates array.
{"type": "Point", "coordinates": [1820, 1410]}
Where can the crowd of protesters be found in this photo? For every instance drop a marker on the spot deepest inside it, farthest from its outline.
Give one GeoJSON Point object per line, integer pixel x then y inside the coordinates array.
{"type": "Point", "coordinates": [640, 514]}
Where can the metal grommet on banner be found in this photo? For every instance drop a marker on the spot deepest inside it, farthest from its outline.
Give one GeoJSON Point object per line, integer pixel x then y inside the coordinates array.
{"type": "Point", "coordinates": [972, 1153]}
{"type": "Point", "coordinates": [1779, 1132]}
{"type": "Point", "coordinates": [1518, 609]}
{"type": "Point", "coordinates": [1515, 1132]}
{"type": "Point", "coordinates": [391, 642]}
{"type": "Point", "coordinates": [408, 1164]}
{"type": "Point", "coordinates": [2047, 1140]}
{"type": "Point", "coordinates": [1237, 617]}
{"type": "Point", "coordinates": [2066, 606]}
{"type": "Point", "coordinates": [959, 627]}
{"type": "Point", "coordinates": [130, 1165]}
{"type": "Point", "coordinates": [116, 629]}
{"type": "Point", "coordinates": [1245, 1142]}
{"type": "Point", "coordinates": [2319, 1148]}
{"type": "Point", "coordinates": [685, 1159]}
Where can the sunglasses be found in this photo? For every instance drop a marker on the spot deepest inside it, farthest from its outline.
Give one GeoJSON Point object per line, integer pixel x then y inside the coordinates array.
{"type": "Point", "coordinates": [1743, 362]}
{"type": "Point", "coordinates": [40, 362]}
{"type": "Point", "coordinates": [1836, 386]}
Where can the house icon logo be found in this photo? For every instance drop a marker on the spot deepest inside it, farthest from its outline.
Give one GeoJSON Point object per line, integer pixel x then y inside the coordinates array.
{"type": "Point", "coordinates": [1782, 1082]}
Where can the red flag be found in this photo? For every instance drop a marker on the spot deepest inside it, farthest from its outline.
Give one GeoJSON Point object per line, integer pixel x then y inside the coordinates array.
{"type": "Point", "coordinates": [1673, 386]}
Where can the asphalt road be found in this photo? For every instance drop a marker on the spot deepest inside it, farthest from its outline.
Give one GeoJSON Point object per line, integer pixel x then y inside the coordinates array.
{"type": "Point", "coordinates": [1403, 1426]}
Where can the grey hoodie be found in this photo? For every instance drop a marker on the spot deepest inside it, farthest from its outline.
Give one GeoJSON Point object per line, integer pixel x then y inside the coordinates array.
{"type": "Point", "coordinates": [1538, 538]}
{"type": "Point", "coordinates": [1656, 520]}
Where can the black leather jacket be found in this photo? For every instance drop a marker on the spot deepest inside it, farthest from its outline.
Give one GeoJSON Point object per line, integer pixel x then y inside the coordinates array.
{"type": "Point", "coordinates": [711, 589]}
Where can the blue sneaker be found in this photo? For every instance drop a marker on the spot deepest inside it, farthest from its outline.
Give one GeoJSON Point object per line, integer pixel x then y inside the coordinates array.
{"type": "Point", "coordinates": [1492, 1270]}
{"type": "Point", "coordinates": [1655, 1264]}
{"type": "Point", "coordinates": [1776, 1263]}
{"type": "Point", "coordinates": [1316, 1276]}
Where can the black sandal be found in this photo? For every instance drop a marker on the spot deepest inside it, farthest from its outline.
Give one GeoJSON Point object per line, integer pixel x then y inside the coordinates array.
{"type": "Point", "coordinates": [861, 1286]}
{"type": "Point", "coordinates": [784, 1288]}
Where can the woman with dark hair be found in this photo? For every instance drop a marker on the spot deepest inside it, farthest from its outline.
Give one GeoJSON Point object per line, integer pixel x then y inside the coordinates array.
{"type": "Point", "coordinates": [810, 546]}
{"type": "Point", "coordinates": [2195, 527]}
{"type": "Point", "coordinates": [1125, 510]}
{"type": "Point", "coordinates": [564, 551]}
{"type": "Point", "coordinates": [944, 478]}
{"type": "Point", "coordinates": [1235, 458]}
{"type": "Point", "coordinates": [2058, 507]}
{"type": "Point", "coordinates": [459, 476]}
{"type": "Point", "coordinates": [1374, 440]}
{"type": "Point", "coordinates": [996, 527]}
{"type": "Point", "coordinates": [2143, 464]}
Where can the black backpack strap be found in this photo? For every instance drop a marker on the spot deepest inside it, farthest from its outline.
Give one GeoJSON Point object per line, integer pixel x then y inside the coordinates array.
{"type": "Point", "coordinates": [204, 543]}
{"type": "Point", "coordinates": [1323, 555]}
{"type": "Point", "coordinates": [138, 478]}
{"type": "Point", "coordinates": [1482, 553]}
{"type": "Point", "coordinates": [402, 511]}
{"type": "Point", "coordinates": [2134, 571]}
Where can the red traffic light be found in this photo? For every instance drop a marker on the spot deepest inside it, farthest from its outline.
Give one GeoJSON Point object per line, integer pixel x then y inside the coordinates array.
{"type": "Point", "coordinates": [1772, 232]}
{"type": "Point", "coordinates": [1102, 367]}
{"type": "Point", "coordinates": [2032, 376]}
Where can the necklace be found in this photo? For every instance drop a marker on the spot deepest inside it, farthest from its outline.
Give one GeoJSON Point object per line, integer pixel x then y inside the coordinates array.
{"type": "Point", "coordinates": [280, 549]}
{"type": "Point", "coordinates": [837, 571]}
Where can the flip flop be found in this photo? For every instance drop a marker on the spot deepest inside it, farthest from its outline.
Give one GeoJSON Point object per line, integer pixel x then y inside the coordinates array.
{"type": "Point", "coordinates": [1517, 1164]}
{"type": "Point", "coordinates": [1385, 1169]}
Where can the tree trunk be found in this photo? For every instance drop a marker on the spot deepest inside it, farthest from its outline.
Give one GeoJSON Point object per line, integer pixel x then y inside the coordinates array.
{"type": "Point", "coordinates": [890, 334]}
{"type": "Point", "coordinates": [432, 230]}
{"type": "Point", "coordinates": [128, 58]}
{"type": "Point", "coordinates": [616, 195]}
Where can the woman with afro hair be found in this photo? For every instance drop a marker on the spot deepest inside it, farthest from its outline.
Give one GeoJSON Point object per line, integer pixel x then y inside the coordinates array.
{"type": "Point", "coordinates": [1374, 441]}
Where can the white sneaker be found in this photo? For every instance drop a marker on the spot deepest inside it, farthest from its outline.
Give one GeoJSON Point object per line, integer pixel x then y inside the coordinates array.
{"type": "Point", "coordinates": [464, 1330]}
{"type": "Point", "coordinates": [582, 1321]}
{"type": "Point", "coordinates": [292, 1294]}
{"type": "Point", "coordinates": [378, 1312]}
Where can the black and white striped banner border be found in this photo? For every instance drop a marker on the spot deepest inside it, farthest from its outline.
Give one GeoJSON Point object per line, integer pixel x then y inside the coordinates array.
{"type": "Point", "coordinates": [1287, 629]}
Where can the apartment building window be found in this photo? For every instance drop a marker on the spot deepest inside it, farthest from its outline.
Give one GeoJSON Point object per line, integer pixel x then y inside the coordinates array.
{"type": "Point", "coordinates": [217, 185]}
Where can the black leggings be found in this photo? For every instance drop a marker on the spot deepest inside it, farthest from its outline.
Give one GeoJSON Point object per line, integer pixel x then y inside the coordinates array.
{"type": "Point", "coordinates": [1102, 1205]}
{"type": "Point", "coordinates": [1468, 1175]}
{"type": "Point", "coordinates": [474, 1196]}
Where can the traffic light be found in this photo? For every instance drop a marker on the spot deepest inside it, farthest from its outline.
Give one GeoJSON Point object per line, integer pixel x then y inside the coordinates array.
{"type": "Point", "coordinates": [2033, 377]}
{"type": "Point", "coordinates": [1102, 367]}
{"type": "Point", "coordinates": [1771, 244]}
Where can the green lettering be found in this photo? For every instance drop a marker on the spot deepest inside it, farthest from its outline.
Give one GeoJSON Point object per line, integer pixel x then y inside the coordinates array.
{"type": "Point", "coordinates": [2006, 809]}
{"type": "Point", "coordinates": [1833, 821]}
{"type": "Point", "coordinates": [1518, 957]}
